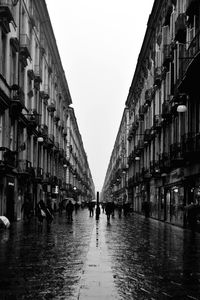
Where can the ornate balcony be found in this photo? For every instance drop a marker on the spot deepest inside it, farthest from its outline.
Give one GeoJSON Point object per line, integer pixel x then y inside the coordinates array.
{"type": "Point", "coordinates": [38, 74]}
{"type": "Point", "coordinates": [17, 100]}
{"type": "Point", "coordinates": [157, 76]}
{"type": "Point", "coordinates": [49, 141]}
{"type": "Point", "coordinates": [148, 96]}
{"type": "Point", "coordinates": [33, 119]}
{"type": "Point", "coordinates": [39, 174]}
{"type": "Point", "coordinates": [25, 49]}
{"type": "Point", "coordinates": [24, 168]}
{"type": "Point", "coordinates": [51, 107]}
{"type": "Point", "coordinates": [43, 130]}
{"type": "Point", "coordinates": [167, 56]}
{"type": "Point", "coordinates": [44, 94]}
{"type": "Point", "coordinates": [157, 122]}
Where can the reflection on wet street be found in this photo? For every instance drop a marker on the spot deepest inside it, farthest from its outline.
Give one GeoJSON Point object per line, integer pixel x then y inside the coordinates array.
{"type": "Point", "coordinates": [152, 260]}
{"type": "Point", "coordinates": [44, 265]}
{"type": "Point", "coordinates": [134, 257]}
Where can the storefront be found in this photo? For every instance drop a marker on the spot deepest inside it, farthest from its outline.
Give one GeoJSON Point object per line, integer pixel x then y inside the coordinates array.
{"type": "Point", "coordinates": [174, 204]}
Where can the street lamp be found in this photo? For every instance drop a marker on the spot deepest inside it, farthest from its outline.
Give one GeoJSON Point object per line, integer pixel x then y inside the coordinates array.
{"type": "Point", "coordinates": [182, 99]}
{"type": "Point", "coordinates": [181, 108]}
{"type": "Point", "coordinates": [40, 139]}
{"type": "Point", "coordinates": [137, 158]}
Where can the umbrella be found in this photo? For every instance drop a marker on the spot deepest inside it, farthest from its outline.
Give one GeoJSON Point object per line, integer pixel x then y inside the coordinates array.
{"type": "Point", "coordinates": [4, 222]}
{"type": "Point", "coordinates": [70, 199]}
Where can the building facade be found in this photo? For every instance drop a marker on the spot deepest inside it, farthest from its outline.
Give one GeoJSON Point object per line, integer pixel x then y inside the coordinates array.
{"type": "Point", "coordinates": [34, 109]}
{"type": "Point", "coordinates": [164, 113]}
{"type": "Point", "coordinates": [116, 180]}
{"type": "Point", "coordinates": [79, 183]}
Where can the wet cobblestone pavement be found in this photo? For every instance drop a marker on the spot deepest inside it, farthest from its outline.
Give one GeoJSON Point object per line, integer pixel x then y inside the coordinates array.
{"type": "Point", "coordinates": [132, 258]}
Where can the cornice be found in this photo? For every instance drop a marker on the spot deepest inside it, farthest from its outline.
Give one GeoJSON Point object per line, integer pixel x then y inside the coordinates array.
{"type": "Point", "coordinates": [151, 26]}
{"type": "Point", "coordinates": [46, 25]}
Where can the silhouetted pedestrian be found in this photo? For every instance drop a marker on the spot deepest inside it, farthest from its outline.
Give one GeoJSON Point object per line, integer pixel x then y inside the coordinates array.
{"type": "Point", "coordinates": [103, 207]}
{"type": "Point", "coordinates": [192, 211]}
{"type": "Point", "coordinates": [113, 209]}
{"type": "Point", "coordinates": [119, 207]}
{"type": "Point", "coordinates": [146, 208]}
{"type": "Point", "coordinates": [98, 211]}
{"type": "Point", "coordinates": [27, 210]}
{"type": "Point", "coordinates": [76, 206]}
{"type": "Point", "coordinates": [91, 208]}
{"type": "Point", "coordinates": [69, 211]}
{"type": "Point", "coordinates": [126, 207]}
{"type": "Point", "coordinates": [109, 210]}
{"type": "Point", "coordinates": [40, 212]}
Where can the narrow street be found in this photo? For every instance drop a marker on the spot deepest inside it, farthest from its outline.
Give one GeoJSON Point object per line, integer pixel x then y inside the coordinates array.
{"type": "Point", "coordinates": [130, 258]}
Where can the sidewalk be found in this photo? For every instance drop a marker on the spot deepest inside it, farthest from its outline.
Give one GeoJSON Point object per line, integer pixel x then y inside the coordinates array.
{"type": "Point", "coordinates": [97, 279]}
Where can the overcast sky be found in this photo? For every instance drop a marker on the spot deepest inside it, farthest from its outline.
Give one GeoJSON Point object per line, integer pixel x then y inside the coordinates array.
{"type": "Point", "coordinates": [99, 42]}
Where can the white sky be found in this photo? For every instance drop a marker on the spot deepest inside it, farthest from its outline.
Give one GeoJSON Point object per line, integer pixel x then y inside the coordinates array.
{"type": "Point", "coordinates": [99, 42]}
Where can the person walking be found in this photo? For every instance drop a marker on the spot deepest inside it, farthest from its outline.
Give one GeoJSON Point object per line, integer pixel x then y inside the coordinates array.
{"type": "Point", "coordinates": [69, 211]}
{"type": "Point", "coordinates": [27, 210]}
{"type": "Point", "coordinates": [146, 208]}
{"type": "Point", "coordinates": [119, 207]}
{"type": "Point", "coordinates": [91, 209]}
{"type": "Point", "coordinates": [192, 211]}
{"type": "Point", "coordinates": [40, 212]}
{"type": "Point", "coordinates": [109, 211]}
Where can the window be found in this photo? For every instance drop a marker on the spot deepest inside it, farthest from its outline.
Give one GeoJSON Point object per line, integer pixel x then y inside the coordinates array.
{"type": "Point", "coordinates": [3, 55]}
{"type": "Point", "coordinates": [13, 67]}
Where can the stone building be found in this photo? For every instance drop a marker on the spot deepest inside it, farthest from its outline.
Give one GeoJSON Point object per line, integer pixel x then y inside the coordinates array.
{"type": "Point", "coordinates": [164, 113]}
{"type": "Point", "coordinates": [34, 109]}
{"type": "Point", "coordinates": [79, 183]}
{"type": "Point", "coordinates": [116, 180]}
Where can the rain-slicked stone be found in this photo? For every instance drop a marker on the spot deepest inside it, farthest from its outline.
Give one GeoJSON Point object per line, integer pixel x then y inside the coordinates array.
{"type": "Point", "coordinates": [131, 258]}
